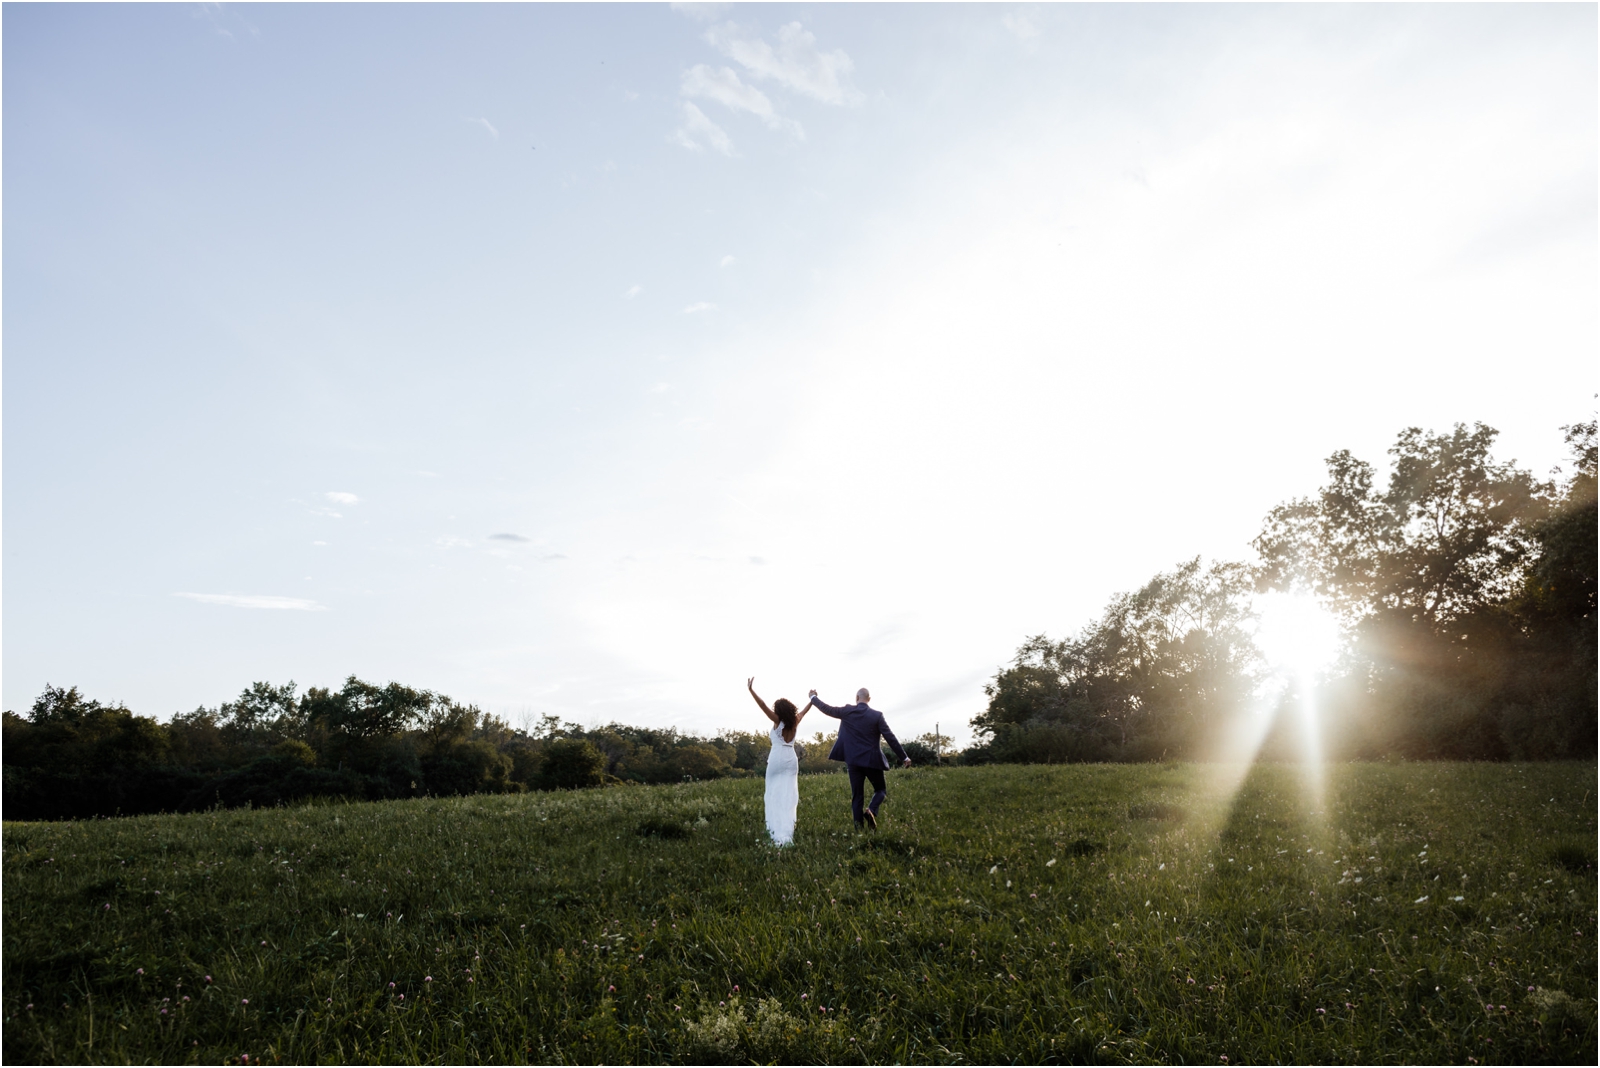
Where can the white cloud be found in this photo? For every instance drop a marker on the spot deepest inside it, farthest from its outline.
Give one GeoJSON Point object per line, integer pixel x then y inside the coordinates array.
{"type": "Point", "coordinates": [696, 125]}
{"type": "Point", "coordinates": [701, 306]}
{"type": "Point", "coordinates": [294, 604]}
{"type": "Point", "coordinates": [661, 387]}
{"type": "Point", "coordinates": [633, 291]}
{"type": "Point", "coordinates": [698, 12]}
{"type": "Point", "coordinates": [723, 85]}
{"type": "Point", "coordinates": [795, 63]}
{"type": "Point", "coordinates": [508, 537]}
{"type": "Point", "coordinates": [1021, 25]}
{"type": "Point", "coordinates": [728, 261]}
{"type": "Point", "coordinates": [212, 13]}
{"type": "Point", "coordinates": [450, 541]}
{"type": "Point", "coordinates": [487, 125]}
{"type": "Point", "coordinates": [340, 497]}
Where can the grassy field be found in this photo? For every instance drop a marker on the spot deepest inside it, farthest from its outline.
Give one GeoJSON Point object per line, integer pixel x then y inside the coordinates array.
{"type": "Point", "coordinates": [1420, 913]}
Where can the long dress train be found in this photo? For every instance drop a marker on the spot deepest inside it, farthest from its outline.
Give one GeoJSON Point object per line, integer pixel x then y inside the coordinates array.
{"type": "Point", "coordinates": [783, 788]}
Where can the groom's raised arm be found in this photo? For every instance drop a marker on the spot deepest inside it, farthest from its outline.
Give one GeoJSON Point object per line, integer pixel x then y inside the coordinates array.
{"type": "Point", "coordinates": [826, 710]}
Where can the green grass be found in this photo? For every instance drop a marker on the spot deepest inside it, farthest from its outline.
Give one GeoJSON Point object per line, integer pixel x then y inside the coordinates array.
{"type": "Point", "coordinates": [1422, 913]}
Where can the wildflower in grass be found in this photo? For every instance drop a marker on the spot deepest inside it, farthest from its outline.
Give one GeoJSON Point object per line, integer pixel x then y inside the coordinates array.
{"type": "Point", "coordinates": [208, 978]}
{"type": "Point", "coordinates": [427, 978]}
{"type": "Point", "coordinates": [139, 971]}
{"type": "Point", "coordinates": [244, 1001]}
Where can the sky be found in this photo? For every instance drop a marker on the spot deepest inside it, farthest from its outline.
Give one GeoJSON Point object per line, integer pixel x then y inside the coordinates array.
{"type": "Point", "coordinates": [588, 360]}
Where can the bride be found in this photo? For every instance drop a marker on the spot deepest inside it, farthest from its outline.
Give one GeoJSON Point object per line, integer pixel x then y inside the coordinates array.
{"type": "Point", "coordinates": [783, 765]}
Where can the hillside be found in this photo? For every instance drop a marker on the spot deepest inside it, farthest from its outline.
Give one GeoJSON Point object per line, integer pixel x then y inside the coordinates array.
{"type": "Point", "coordinates": [1427, 913]}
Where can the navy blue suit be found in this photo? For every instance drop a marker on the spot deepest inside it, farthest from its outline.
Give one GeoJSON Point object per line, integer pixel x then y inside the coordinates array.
{"type": "Point", "coordinates": [860, 727]}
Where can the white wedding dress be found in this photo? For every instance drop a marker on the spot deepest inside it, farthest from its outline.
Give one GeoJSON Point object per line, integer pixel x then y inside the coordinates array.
{"type": "Point", "coordinates": [783, 788]}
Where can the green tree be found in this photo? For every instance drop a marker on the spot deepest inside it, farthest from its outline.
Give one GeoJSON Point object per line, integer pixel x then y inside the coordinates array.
{"type": "Point", "coordinates": [572, 763]}
{"type": "Point", "coordinates": [1450, 534]}
{"type": "Point", "coordinates": [1561, 583]}
{"type": "Point", "coordinates": [261, 711]}
{"type": "Point", "coordinates": [444, 723]}
{"type": "Point", "coordinates": [1152, 675]}
{"type": "Point", "coordinates": [362, 710]}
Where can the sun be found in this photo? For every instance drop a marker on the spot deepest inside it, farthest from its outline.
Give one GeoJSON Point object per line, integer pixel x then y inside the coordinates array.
{"type": "Point", "coordinates": [1296, 634]}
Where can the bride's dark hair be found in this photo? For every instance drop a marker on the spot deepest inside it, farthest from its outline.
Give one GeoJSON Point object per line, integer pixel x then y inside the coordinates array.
{"type": "Point", "coordinates": [785, 710]}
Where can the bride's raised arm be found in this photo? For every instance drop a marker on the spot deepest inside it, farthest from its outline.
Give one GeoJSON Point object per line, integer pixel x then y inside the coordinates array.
{"type": "Point", "coordinates": [751, 684]}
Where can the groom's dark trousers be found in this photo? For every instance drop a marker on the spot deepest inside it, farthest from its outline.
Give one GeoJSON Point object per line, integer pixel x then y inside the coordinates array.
{"type": "Point", "coordinates": [860, 729]}
{"type": "Point", "coordinates": [857, 789]}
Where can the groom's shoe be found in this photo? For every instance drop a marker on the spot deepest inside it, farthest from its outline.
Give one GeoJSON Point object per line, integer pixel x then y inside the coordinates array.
{"type": "Point", "coordinates": [871, 818]}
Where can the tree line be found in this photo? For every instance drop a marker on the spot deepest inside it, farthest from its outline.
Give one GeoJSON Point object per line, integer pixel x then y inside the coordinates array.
{"type": "Point", "coordinates": [1464, 589]}
{"type": "Point", "coordinates": [71, 757]}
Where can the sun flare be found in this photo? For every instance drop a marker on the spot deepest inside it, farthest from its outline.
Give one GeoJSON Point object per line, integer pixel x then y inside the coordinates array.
{"type": "Point", "coordinates": [1296, 634]}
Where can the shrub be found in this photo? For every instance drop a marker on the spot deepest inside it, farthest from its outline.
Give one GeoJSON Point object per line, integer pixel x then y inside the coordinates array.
{"type": "Point", "coordinates": [295, 750]}
{"type": "Point", "coordinates": [572, 763]}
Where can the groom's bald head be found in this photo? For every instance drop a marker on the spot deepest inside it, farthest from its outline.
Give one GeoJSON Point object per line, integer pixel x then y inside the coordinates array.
{"type": "Point", "coordinates": [863, 696]}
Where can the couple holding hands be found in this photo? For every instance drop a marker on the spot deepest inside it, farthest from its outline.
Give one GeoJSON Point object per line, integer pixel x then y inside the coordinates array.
{"type": "Point", "coordinates": [860, 728]}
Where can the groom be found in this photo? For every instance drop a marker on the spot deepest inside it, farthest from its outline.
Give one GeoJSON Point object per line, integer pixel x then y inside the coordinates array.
{"type": "Point", "coordinates": [859, 730]}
